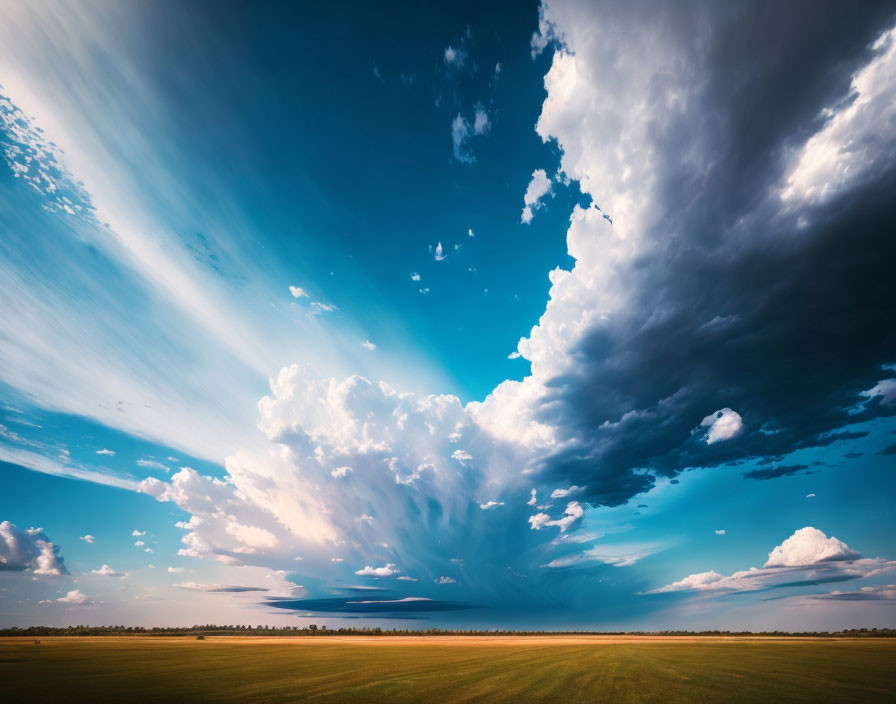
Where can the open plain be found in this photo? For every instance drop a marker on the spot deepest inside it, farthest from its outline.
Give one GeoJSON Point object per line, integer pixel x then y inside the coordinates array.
{"type": "Point", "coordinates": [448, 669]}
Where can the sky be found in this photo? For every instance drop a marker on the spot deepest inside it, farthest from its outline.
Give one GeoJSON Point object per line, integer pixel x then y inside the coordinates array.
{"type": "Point", "coordinates": [568, 315]}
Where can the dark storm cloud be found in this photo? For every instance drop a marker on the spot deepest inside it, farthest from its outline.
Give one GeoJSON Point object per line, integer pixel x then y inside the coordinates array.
{"type": "Point", "coordinates": [784, 315]}
{"type": "Point", "coordinates": [891, 450]}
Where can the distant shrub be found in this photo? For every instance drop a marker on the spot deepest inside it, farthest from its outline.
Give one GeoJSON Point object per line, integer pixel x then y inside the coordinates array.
{"type": "Point", "coordinates": [200, 637]}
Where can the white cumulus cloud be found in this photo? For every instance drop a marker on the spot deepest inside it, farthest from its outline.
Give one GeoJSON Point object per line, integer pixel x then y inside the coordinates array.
{"type": "Point", "coordinates": [539, 186]}
{"type": "Point", "coordinates": [106, 571]}
{"type": "Point", "coordinates": [385, 571]}
{"type": "Point", "coordinates": [724, 424]}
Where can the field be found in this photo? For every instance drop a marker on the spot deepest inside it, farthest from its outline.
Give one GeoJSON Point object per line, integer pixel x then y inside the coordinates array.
{"type": "Point", "coordinates": [448, 669]}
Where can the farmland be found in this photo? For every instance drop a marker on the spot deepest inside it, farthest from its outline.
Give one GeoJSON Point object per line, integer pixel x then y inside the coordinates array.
{"type": "Point", "coordinates": [448, 669]}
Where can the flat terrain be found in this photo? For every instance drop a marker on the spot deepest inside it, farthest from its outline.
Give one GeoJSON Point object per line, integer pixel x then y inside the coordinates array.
{"type": "Point", "coordinates": [447, 669]}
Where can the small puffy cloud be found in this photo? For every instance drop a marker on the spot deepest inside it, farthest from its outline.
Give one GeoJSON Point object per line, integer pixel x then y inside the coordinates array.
{"type": "Point", "coordinates": [481, 123]}
{"type": "Point", "coordinates": [298, 292]}
{"type": "Point", "coordinates": [470, 232]}
{"type": "Point", "coordinates": [175, 570]}
{"type": "Point", "coordinates": [721, 531]}
{"type": "Point", "coordinates": [724, 424]}
{"type": "Point", "coordinates": [445, 580]}
{"type": "Point", "coordinates": [564, 493]}
{"type": "Point", "coordinates": [415, 276]}
{"type": "Point", "coordinates": [137, 533]}
{"type": "Point", "coordinates": [532, 498]}
{"type": "Point", "coordinates": [699, 581]}
{"type": "Point", "coordinates": [462, 130]}
{"type": "Point", "coordinates": [514, 355]}
{"type": "Point", "coordinates": [539, 521]}
{"type": "Point", "coordinates": [456, 57]}
{"type": "Point", "coordinates": [336, 559]}
{"type": "Point", "coordinates": [539, 187]}
{"type": "Point", "coordinates": [75, 596]}
{"type": "Point", "coordinates": [405, 578]}
{"type": "Point", "coordinates": [104, 451]}
{"type": "Point", "coordinates": [88, 538]}
{"type": "Point", "coordinates": [462, 456]}
{"type": "Point", "coordinates": [368, 345]}
{"type": "Point", "coordinates": [106, 571]}
{"type": "Point", "coordinates": [809, 546]}
{"type": "Point", "coordinates": [489, 505]}
{"type": "Point", "coordinates": [340, 472]}
{"type": "Point", "coordinates": [437, 252]}
{"type": "Point", "coordinates": [28, 551]}
{"type": "Point", "coordinates": [139, 544]}
{"type": "Point", "coordinates": [810, 496]}
{"type": "Point", "coordinates": [573, 513]}
{"type": "Point", "coordinates": [385, 571]}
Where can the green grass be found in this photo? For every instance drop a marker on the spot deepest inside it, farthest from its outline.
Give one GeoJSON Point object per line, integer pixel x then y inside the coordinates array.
{"type": "Point", "coordinates": [142, 669]}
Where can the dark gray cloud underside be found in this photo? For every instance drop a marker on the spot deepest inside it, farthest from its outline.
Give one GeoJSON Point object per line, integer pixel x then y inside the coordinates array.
{"type": "Point", "coordinates": [744, 305]}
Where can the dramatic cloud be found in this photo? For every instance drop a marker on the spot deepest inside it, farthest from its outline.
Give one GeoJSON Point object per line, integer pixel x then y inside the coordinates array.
{"type": "Point", "coordinates": [692, 273]}
{"type": "Point", "coordinates": [28, 551]}
{"type": "Point", "coordinates": [678, 339]}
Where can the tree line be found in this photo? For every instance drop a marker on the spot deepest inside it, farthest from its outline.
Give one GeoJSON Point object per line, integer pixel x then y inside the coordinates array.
{"type": "Point", "coordinates": [322, 630]}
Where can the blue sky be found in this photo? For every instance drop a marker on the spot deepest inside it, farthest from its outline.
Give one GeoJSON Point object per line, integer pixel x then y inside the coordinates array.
{"type": "Point", "coordinates": [536, 316]}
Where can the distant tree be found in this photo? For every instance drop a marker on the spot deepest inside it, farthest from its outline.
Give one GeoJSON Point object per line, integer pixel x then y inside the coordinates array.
{"type": "Point", "coordinates": [312, 627]}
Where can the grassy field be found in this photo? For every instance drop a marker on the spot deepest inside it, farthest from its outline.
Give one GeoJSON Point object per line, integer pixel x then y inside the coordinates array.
{"type": "Point", "coordinates": [444, 670]}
